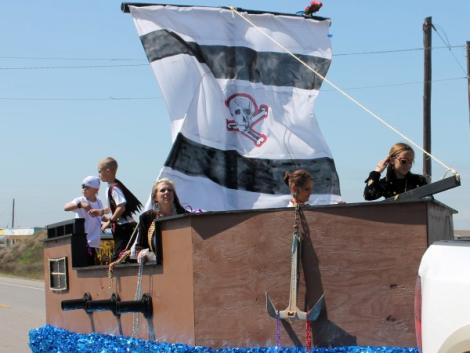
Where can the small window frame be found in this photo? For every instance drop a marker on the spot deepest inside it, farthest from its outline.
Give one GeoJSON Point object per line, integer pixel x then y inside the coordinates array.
{"type": "Point", "coordinates": [58, 273]}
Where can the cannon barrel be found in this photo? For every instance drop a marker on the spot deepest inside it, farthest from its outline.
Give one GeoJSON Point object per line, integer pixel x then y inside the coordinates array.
{"type": "Point", "coordinates": [114, 304]}
{"type": "Point", "coordinates": [143, 306]}
{"type": "Point", "coordinates": [103, 305]}
{"type": "Point", "coordinates": [75, 304]}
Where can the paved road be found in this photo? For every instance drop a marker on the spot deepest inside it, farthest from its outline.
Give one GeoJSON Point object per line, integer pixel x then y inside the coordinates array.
{"type": "Point", "coordinates": [22, 307]}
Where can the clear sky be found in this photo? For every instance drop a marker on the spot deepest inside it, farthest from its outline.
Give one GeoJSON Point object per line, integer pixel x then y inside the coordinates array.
{"type": "Point", "coordinates": [75, 87]}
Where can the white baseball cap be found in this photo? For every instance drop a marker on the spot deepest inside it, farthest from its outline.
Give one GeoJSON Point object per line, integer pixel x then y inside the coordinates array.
{"type": "Point", "coordinates": [91, 182]}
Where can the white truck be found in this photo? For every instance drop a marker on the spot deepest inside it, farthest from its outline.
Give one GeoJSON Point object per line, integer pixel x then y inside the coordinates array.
{"type": "Point", "coordinates": [442, 303]}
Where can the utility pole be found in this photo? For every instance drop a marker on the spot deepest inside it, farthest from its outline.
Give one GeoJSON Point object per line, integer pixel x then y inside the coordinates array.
{"type": "Point", "coordinates": [427, 27]}
{"type": "Point", "coordinates": [468, 78]}
{"type": "Point", "coordinates": [13, 214]}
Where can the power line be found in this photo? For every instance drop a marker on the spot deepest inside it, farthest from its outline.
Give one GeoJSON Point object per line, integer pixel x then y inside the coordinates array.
{"type": "Point", "coordinates": [397, 84]}
{"type": "Point", "coordinates": [364, 52]}
{"type": "Point", "coordinates": [46, 99]}
{"type": "Point", "coordinates": [66, 67]}
{"type": "Point", "coordinates": [77, 99]}
{"type": "Point", "coordinates": [63, 58]}
{"type": "Point", "coordinates": [390, 51]}
{"type": "Point", "coordinates": [448, 46]}
{"type": "Point", "coordinates": [71, 67]}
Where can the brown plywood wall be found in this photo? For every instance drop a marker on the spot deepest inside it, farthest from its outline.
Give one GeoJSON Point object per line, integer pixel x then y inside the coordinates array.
{"type": "Point", "coordinates": [217, 267]}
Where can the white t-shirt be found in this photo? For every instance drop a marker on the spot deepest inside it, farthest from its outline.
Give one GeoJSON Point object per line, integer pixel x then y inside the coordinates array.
{"type": "Point", "coordinates": [92, 224]}
{"type": "Point", "coordinates": [119, 199]}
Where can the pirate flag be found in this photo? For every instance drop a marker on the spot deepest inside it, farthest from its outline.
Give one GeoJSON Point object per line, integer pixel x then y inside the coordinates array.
{"type": "Point", "coordinates": [241, 106]}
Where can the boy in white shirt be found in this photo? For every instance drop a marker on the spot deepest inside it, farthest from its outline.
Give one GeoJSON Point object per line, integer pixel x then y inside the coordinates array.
{"type": "Point", "coordinates": [122, 205]}
{"type": "Point", "coordinates": [81, 206]}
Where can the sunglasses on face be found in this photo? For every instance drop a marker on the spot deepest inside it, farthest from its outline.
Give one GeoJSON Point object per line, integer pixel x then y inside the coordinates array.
{"type": "Point", "coordinates": [84, 186]}
{"type": "Point", "coordinates": [405, 161]}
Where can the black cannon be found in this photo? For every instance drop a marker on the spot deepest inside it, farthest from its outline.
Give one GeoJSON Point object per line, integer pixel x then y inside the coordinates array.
{"type": "Point", "coordinates": [114, 304]}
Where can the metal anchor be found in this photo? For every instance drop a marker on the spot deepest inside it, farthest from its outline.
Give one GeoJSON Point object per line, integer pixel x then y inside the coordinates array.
{"type": "Point", "coordinates": [292, 311]}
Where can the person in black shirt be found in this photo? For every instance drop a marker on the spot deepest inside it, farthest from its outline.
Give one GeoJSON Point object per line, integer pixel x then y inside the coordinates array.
{"type": "Point", "coordinates": [398, 178]}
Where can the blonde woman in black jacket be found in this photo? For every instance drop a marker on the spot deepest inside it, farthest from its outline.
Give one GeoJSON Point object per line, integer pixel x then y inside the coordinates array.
{"type": "Point", "coordinates": [398, 177]}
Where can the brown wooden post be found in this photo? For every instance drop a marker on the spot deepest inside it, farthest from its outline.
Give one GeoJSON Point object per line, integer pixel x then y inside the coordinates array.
{"type": "Point", "coordinates": [427, 27]}
{"type": "Point", "coordinates": [468, 78]}
{"type": "Point", "coordinates": [13, 214]}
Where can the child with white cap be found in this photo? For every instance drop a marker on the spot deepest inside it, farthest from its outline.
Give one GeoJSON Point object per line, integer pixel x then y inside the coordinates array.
{"type": "Point", "coordinates": [81, 206]}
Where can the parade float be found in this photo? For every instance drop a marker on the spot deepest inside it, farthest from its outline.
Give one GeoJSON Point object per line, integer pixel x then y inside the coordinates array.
{"type": "Point", "coordinates": [249, 274]}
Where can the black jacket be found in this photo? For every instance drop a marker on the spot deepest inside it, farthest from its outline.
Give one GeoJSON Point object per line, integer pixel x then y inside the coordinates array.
{"type": "Point", "coordinates": [145, 220]}
{"type": "Point", "coordinates": [390, 186]}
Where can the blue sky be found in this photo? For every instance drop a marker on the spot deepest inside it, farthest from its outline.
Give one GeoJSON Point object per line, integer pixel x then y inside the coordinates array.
{"type": "Point", "coordinates": [76, 87]}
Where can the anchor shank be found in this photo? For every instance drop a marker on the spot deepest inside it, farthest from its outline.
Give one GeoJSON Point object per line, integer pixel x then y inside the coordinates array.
{"type": "Point", "coordinates": [294, 283]}
{"type": "Point", "coordinates": [292, 311]}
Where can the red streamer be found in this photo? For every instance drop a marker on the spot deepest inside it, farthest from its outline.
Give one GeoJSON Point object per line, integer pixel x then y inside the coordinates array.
{"type": "Point", "coordinates": [308, 336]}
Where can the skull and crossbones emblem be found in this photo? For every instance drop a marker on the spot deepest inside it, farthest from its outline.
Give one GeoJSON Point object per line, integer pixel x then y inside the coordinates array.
{"type": "Point", "coordinates": [245, 114]}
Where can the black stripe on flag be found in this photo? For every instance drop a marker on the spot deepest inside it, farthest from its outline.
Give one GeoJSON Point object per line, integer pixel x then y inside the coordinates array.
{"type": "Point", "coordinates": [233, 171]}
{"type": "Point", "coordinates": [240, 63]}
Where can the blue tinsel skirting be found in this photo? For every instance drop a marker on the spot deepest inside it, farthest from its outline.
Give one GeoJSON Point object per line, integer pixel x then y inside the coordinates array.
{"type": "Point", "coordinates": [49, 339]}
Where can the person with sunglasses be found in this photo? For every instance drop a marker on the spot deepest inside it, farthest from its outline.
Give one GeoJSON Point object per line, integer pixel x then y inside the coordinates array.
{"type": "Point", "coordinates": [165, 203]}
{"type": "Point", "coordinates": [81, 206]}
{"type": "Point", "coordinates": [398, 177]}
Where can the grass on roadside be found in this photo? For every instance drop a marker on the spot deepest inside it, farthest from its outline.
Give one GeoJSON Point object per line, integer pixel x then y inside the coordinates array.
{"type": "Point", "coordinates": [24, 259]}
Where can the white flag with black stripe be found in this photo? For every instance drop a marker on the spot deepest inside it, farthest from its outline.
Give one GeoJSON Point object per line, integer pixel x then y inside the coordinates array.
{"type": "Point", "coordinates": [241, 108]}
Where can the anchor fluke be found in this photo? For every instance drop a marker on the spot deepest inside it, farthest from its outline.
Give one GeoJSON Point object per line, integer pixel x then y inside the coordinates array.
{"type": "Point", "coordinates": [295, 313]}
{"type": "Point", "coordinates": [270, 308]}
{"type": "Point", "coordinates": [316, 309]}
